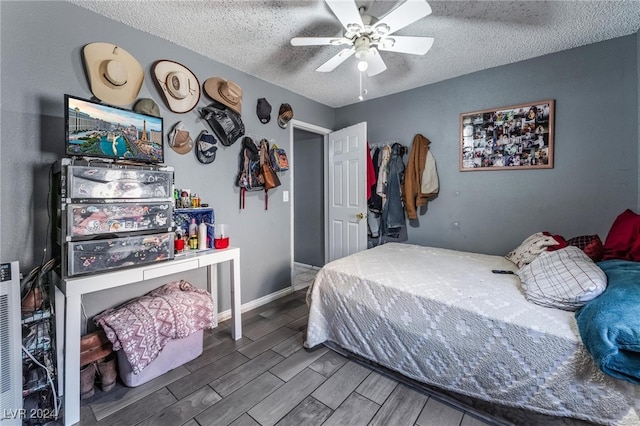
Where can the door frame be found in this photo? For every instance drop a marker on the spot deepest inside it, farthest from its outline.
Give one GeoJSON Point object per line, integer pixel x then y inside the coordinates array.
{"type": "Point", "coordinates": [324, 132]}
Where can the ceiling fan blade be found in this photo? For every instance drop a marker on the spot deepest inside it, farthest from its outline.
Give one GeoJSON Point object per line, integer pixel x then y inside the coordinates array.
{"type": "Point", "coordinates": [376, 64]}
{"type": "Point", "coordinates": [318, 41]}
{"type": "Point", "coordinates": [346, 11]}
{"type": "Point", "coordinates": [336, 60]}
{"type": "Point", "coordinates": [407, 13]}
{"type": "Point", "coordinates": [407, 44]}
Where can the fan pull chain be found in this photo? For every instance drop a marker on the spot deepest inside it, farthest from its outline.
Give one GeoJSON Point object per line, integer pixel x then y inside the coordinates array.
{"type": "Point", "coordinates": [362, 91]}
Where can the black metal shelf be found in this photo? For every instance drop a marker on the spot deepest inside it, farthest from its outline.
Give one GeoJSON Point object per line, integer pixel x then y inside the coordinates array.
{"type": "Point", "coordinates": [38, 341]}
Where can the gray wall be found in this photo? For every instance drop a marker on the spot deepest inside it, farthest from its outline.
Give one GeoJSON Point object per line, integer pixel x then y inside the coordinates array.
{"type": "Point", "coordinates": [41, 44]}
{"type": "Point", "coordinates": [595, 176]}
{"type": "Point", "coordinates": [308, 243]}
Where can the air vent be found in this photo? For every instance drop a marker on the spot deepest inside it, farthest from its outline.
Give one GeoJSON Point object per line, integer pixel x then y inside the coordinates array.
{"type": "Point", "coordinates": [5, 346]}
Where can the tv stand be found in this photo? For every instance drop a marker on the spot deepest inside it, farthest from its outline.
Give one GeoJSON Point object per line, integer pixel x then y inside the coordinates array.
{"type": "Point", "coordinates": [70, 297]}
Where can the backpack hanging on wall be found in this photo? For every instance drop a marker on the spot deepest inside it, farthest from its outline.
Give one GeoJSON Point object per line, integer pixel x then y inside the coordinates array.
{"type": "Point", "coordinates": [268, 176]}
{"type": "Point", "coordinates": [249, 176]}
{"type": "Point", "coordinates": [279, 159]}
{"type": "Point", "coordinates": [256, 173]}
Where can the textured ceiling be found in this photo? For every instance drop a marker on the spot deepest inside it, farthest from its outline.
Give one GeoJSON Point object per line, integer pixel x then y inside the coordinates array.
{"type": "Point", "coordinates": [253, 36]}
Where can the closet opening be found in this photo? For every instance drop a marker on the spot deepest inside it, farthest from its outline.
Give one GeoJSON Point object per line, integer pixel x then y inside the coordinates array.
{"type": "Point", "coordinates": [308, 228]}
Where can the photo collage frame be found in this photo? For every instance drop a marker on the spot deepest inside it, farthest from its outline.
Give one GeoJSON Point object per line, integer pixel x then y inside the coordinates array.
{"type": "Point", "coordinates": [512, 137]}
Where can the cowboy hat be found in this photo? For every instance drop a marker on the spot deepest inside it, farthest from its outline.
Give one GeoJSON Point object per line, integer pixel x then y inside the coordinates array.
{"type": "Point", "coordinates": [224, 91]}
{"type": "Point", "coordinates": [179, 86]}
{"type": "Point", "coordinates": [114, 75]}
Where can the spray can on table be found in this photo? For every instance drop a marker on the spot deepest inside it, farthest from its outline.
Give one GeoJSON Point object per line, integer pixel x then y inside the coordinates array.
{"type": "Point", "coordinates": [202, 235]}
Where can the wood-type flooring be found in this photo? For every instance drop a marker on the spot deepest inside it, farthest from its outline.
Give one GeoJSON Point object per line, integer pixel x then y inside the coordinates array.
{"type": "Point", "coordinates": [267, 378]}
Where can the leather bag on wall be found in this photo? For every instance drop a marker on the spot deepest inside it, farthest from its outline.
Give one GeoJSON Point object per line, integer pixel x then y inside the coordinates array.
{"type": "Point", "coordinates": [269, 176]}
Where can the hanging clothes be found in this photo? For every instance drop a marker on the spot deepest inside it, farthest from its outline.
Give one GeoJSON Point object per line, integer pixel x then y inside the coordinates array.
{"type": "Point", "coordinates": [412, 188]}
{"type": "Point", "coordinates": [375, 200]}
{"type": "Point", "coordinates": [430, 184]}
{"type": "Point", "coordinates": [383, 174]}
{"type": "Point", "coordinates": [371, 174]}
{"type": "Point", "coordinates": [393, 219]}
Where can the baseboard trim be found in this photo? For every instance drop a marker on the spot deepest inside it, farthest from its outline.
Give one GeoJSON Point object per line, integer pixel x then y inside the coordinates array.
{"type": "Point", "coordinates": [304, 265]}
{"type": "Point", "coordinates": [300, 286]}
{"type": "Point", "coordinates": [225, 315]}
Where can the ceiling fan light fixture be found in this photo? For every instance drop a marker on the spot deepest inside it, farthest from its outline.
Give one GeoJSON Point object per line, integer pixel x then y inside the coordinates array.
{"type": "Point", "coordinates": [353, 31]}
{"type": "Point", "coordinates": [362, 45]}
{"type": "Point", "coordinates": [362, 53]}
{"type": "Point", "coordinates": [365, 35]}
{"type": "Point", "coordinates": [381, 30]}
{"type": "Point", "coordinates": [387, 43]}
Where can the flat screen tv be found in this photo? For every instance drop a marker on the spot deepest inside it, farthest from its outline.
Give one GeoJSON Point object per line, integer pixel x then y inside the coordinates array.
{"type": "Point", "coordinates": [103, 131]}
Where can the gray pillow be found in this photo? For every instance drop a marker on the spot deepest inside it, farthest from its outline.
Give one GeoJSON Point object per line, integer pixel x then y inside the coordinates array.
{"type": "Point", "coordinates": [564, 279]}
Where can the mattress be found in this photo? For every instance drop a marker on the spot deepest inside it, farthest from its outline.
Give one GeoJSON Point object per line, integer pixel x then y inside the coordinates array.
{"type": "Point", "coordinates": [441, 317]}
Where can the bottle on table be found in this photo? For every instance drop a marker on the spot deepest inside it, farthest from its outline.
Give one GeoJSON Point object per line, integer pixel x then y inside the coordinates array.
{"type": "Point", "coordinates": [193, 235]}
{"type": "Point", "coordinates": [202, 235]}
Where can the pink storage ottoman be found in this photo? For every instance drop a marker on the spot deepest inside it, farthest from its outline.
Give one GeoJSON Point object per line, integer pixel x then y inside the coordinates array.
{"type": "Point", "coordinates": [174, 354]}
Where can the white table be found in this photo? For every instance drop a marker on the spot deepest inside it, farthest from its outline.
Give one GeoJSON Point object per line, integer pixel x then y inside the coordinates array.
{"type": "Point", "coordinates": [72, 290]}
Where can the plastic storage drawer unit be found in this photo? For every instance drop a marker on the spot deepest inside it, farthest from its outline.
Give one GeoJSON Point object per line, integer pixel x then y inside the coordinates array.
{"type": "Point", "coordinates": [87, 182]}
{"type": "Point", "coordinates": [114, 253]}
{"type": "Point", "coordinates": [95, 219]}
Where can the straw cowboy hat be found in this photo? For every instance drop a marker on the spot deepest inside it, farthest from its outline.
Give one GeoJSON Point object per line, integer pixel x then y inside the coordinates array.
{"type": "Point", "coordinates": [179, 86]}
{"type": "Point", "coordinates": [114, 75]}
{"type": "Point", "coordinates": [226, 92]}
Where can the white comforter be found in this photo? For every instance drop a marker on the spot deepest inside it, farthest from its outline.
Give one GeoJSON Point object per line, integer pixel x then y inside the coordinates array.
{"type": "Point", "coordinates": [443, 318]}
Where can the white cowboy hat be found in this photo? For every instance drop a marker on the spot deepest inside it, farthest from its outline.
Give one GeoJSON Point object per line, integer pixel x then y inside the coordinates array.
{"type": "Point", "coordinates": [179, 86]}
{"type": "Point", "coordinates": [114, 75]}
{"type": "Point", "coordinates": [224, 91]}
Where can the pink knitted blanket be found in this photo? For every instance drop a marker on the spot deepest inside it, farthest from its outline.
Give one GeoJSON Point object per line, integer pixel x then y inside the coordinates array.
{"type": "Point", "coordinates": [143, 326]}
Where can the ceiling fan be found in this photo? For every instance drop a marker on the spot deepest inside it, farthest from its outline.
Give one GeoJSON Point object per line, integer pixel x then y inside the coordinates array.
{"type": "Point", "coordinates": [365, 35]}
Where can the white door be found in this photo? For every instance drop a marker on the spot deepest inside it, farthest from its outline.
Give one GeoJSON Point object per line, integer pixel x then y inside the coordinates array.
{"type": "Point", "coordinates": [347, 191]}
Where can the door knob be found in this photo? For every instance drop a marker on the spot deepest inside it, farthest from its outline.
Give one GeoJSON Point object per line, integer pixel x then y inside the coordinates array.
{"type": "Point", "coordinates": [360, 216]}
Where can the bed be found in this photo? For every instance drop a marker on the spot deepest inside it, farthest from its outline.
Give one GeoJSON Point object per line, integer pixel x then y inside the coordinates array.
{"type": "Point", "coordinates": [441, 318]}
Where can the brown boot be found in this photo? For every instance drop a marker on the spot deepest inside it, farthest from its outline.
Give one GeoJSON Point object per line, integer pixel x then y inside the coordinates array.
{"type": "Point", "coordinates": [87, 379]}
{"type": "Point", "coordinates": [32, 301]}
{"type": "Point", "coordinates": [107, 372]}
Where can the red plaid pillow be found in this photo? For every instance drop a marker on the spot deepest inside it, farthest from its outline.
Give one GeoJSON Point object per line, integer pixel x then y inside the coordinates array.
{"type": "Point", "coordinates": [590, 244]}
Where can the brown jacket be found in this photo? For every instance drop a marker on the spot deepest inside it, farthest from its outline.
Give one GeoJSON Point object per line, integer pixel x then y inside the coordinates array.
{"type": "Point", "coordinates": [411, 194]}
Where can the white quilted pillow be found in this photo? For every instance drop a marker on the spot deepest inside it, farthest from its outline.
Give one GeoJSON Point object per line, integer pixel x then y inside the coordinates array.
{"type": "Point", "coordinates": [530, 249]}
{"type": "Point", "coordinates": [564, 279]}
